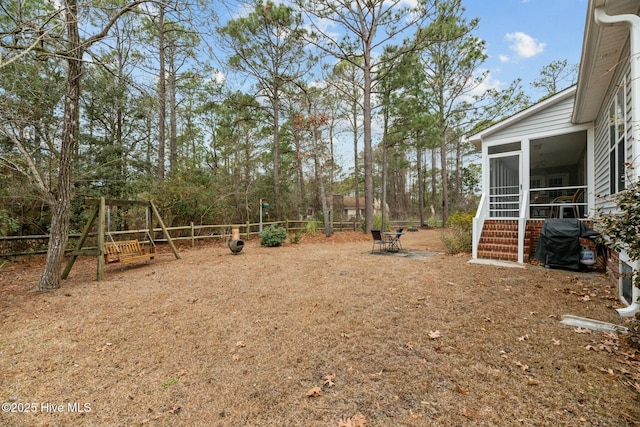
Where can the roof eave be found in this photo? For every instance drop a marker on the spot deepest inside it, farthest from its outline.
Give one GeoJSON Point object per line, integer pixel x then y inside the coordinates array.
{"type": "Point", "coordinates": [591, 32]}
{"type": "Point", "coordinates": [477, 138]}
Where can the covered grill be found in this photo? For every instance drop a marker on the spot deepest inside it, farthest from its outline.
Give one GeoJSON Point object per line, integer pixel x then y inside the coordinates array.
{"type": "Point", "coordinates": [559, 244]}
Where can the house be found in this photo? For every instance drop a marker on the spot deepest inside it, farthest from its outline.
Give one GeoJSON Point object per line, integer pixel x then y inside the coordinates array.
{"type": "Point", "coordinates": [344, 208]}
{"type": "Point", "coordinates": [565, 155]}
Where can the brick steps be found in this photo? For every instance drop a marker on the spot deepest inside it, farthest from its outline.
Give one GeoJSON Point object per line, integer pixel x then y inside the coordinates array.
{"type": "Point", "coordinates": [499, 240]}
{"type": "Point", "coordinates": [504, 256]}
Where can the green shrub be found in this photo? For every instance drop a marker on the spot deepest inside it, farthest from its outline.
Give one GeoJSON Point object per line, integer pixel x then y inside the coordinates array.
{"type": "Point", "coordinates": [7, 223]}
{"type": "Point", "coordinates": [312, 227]}
{"type": "Point", "coordinates": [273, 236]}
{"type": "Point", "coordinates": [296, 238]}
{"type": "Point", "coordinates": [377, 223]}
{"type": "Point", "coordinates": [620, 230]}
{"type": "Point", "coordinates": [458, 235]}
{"type": "Point", "coordinates": [434, 221]}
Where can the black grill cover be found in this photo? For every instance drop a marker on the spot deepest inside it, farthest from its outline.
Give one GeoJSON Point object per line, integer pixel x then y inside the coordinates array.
{"type": "Point", "coordinates": [559, 244]}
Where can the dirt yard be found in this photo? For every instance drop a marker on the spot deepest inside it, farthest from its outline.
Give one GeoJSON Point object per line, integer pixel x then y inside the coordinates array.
{"type": "Point", "coordinates": [320, 333]}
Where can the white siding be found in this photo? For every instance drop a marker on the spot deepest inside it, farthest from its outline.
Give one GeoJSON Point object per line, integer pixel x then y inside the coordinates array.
{"type": "Point", "coordinates": [554, 120]}
{"type": "Point", "coordinates": [601, 167]}
{"type": "Point", "coordinates": [601, 157]}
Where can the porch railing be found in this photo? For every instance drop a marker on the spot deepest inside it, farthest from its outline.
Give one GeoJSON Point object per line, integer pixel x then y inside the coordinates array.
{"type": "Point", "coordinates": [478, 223]}
{"type": "Point", "coordinates": [542, 203]}
{"type": "Point", "coordinates": [504, 201]}
{"type": "Point", "coordinates": [555, 202]}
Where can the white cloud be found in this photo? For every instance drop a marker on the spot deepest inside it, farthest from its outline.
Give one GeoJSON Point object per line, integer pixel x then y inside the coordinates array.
{"type": "Point", "coordinates": [409, 3]}
{"type": "Point", "coordinates": [488, 83]}
{"type": "Point", "coordinates": [219, 77]}
{"type": "Point", "coordinates": [504, 58]}
{"type": "Point", "coordinates": [524, 45]}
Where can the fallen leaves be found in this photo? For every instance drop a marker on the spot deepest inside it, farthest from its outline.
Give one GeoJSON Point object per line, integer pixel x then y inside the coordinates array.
{"type": "Point", "coordinates": [608, 371]}
{"type": "Point", "coordinates": [462, 390]}
{"type": "Point", "coordinates": [328, 380]}
{"type": "Point", "coordinates": [357, 420]}
{"type": "Point", "coordinates": [315, 392]}
{"type": "Point", "coordinates": [472, 414]}
{"type": "Point", "coordinates": [533, 382]}
{"type": "Point", "coordinates": [107, 347]}
{"type": "Point", "coordinates": [434, 335]}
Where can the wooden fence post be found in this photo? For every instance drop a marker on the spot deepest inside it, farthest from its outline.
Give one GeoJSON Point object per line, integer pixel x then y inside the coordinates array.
{"type": "Point", "coordinates": [193, 239]}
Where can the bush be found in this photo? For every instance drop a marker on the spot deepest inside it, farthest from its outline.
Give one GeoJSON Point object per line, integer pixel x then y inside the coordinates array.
{"type": "Point", "coordinates": [620, 230]}
{"type": "Point", "coordinates": [312, 227]}
{"type": "Point", "coordinates": [458, 236]}
{"type": "Point", "coordinates": [7, 223]}
{"type": "Point", "coordinates": [296, 238]}
{"type": "Point", "coordinates": [273, 236]}
{"type": "Point", "coordinates": [377, 223]}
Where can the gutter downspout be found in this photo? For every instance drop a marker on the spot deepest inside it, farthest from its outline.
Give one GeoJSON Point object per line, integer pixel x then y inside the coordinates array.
{"type": "Point", "coordinates": [633, 21]}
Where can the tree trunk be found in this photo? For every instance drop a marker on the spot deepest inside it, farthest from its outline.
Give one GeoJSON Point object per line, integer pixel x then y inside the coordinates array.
{"type": "Point", "coordinates": [328, 229]}
{"type": "Point", "coordinates": [420, 184]}
{"type": "Point", "coordinates": [434, 190]}
{"type": "Point", "coordinates": [162, 95]}
{"type": "Point", "coordinates": [459, 197]}
{"type": "Point", "coordinates": [368, 152]}
{"type": "Point", "coordinates": [385, 163]}
{"type": "Point", "coordinates": [300, 174]}
{"type": "Point", "coordinates": [60, 202]}
{"type": "Point", "coordinates": [445, 181]}
{"type": "Point", "coordinates": [276, 155]}
{"type": "Point", "coordinates": [356, 168]}
{"type": "Point", "coordinates": [173, 120]}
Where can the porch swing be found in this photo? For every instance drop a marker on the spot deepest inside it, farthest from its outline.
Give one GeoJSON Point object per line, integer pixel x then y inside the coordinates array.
{"type": "Point", "coordinates": [127, 250]}
{"type": "Point", "coordinates": [108, 249]}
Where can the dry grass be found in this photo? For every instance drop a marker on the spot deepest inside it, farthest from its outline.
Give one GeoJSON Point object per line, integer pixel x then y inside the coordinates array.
{"type": "Point", "coordinates": [316, 334]}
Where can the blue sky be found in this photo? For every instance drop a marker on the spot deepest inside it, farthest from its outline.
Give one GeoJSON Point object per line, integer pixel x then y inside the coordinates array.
{"type": "Point", "coordinates": [522, 36]}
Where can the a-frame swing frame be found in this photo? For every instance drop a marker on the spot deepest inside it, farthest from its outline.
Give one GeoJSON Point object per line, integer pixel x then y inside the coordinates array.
{"type": "Point", "coordinates": [99, 212]}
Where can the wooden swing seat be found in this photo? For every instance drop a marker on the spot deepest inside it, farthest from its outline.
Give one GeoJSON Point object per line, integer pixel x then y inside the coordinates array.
{"type": "Point", "coordinates": [126, 251]}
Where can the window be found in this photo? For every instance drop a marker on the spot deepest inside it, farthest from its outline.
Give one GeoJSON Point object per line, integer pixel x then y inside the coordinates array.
{"type": "Point", "coordinates": [557, 180]}
{"type": "Point", "coordinates": [617, 142]}
{"type": "Point", "coordinates": [536, 181]}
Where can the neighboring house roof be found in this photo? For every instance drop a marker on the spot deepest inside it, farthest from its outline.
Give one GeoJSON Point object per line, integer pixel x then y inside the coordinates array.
{"type": "Point", "coordinates": [534, 109]}
{"type": "Point", "coordinates": [601, 50]}
{"type": "Point", "coordinates": [350, 202]}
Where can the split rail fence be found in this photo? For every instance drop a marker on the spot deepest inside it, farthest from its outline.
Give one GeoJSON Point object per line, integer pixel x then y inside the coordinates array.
{"type": "Point", "coordinates": [15, 246]}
